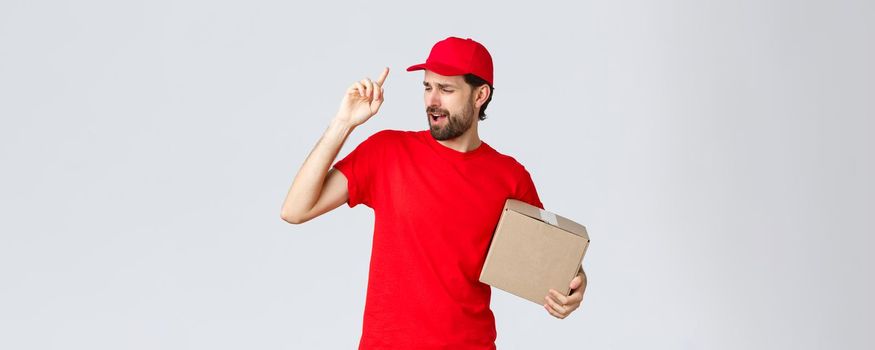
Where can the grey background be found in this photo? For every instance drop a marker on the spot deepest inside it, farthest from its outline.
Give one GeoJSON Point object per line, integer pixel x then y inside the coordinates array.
{"type": "Point", "coordinates": [719, 152]}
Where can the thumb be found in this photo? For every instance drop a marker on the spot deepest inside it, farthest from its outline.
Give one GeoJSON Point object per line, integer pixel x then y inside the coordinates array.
{"type": "Point", "coordinates": [376, 103]}
{"type": "Point", "coordinates": [576, 282]}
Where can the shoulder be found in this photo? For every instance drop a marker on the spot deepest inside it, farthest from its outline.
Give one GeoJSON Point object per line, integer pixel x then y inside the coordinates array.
{"type": "Point", "coordinates": [389, 135]}
{"type": "Point", "coordinates": [510, 163]}
{"type": "Point", "coordinates": [385, 141]}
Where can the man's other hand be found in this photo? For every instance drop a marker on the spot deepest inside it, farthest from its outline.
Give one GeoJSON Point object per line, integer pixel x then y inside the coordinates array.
{"type": "Point", "coordinates": [560, 306]}
{"type": "Point", "coordinates": [362, 100]}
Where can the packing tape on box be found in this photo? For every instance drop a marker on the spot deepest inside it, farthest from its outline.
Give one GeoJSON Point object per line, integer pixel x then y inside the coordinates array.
{"type": "Point", "coordinates": [548, 217]}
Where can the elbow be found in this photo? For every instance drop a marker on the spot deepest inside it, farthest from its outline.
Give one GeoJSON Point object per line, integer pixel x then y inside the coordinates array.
{"type": "Point", "coordinates": [292, 218]}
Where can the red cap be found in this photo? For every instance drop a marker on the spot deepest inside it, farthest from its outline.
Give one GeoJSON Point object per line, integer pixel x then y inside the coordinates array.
{"type": "Point", "coordinates": [457, 56]}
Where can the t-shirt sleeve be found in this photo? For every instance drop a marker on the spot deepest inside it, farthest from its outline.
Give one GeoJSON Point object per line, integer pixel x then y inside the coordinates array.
{"type": "Point", "coordinates": [358, 167]}
{"type": "Point", "coordinates": [526, 190]}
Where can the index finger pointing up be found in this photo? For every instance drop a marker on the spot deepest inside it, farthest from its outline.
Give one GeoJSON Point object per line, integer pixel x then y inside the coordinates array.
{"type": "Point", "coordinates": [383, 76]}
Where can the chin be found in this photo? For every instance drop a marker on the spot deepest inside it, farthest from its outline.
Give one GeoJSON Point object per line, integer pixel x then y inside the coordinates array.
{"type": "Point", "coordinates": [436, 134]}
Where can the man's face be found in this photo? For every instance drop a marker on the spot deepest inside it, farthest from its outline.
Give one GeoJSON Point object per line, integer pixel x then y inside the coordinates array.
{"type": "Point", "coordinates": [449, 105]}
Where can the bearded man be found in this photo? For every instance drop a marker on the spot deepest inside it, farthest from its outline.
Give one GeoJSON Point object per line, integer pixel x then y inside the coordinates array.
{"type": "Point", "coordinates": [437, 195]}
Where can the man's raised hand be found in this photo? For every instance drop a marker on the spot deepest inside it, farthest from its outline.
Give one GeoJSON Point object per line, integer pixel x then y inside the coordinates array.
{"type": "Point", "coordinates": [362, 100]}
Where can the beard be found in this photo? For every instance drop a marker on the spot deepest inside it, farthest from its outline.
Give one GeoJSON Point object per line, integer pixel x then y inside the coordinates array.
{"type": "Point", "coordinates": [456, 125]}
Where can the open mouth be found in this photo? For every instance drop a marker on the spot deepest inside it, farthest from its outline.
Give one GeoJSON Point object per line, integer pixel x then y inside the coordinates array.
{"type": "Point", "coordinates": [437, 117]}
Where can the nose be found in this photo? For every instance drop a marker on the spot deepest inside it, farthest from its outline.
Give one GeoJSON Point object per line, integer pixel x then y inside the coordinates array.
{"type": "Point", "coordinates": [432, 98]}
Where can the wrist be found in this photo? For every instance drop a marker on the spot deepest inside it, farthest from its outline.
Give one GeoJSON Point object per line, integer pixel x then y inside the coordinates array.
{"type": "Point", "coordinates": [341, 126]}
{"type": "Point", "coordinates": [341, 119]}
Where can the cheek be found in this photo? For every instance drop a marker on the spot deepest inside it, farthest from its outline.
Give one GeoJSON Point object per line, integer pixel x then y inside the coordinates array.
{"type": "Point", "coordinates": [454, 103]}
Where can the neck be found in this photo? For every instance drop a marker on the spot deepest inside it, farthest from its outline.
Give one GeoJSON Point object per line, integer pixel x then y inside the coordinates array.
{"type": "Point", "coordinates": [466, 142]}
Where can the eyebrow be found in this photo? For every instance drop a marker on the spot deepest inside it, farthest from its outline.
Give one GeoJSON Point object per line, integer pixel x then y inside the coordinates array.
{"type": "Point", "coordinates": [440, 85]}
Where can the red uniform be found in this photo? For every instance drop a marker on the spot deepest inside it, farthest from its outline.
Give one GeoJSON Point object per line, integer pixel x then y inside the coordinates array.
{"type": "Point", "coordinates": [435, 211]}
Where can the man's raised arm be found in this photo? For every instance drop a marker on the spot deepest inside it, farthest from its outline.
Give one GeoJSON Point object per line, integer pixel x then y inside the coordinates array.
{"type": "Point", "coordinates": [317, 189]}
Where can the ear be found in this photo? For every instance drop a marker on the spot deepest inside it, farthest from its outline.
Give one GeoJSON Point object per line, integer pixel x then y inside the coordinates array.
{"type": "Point", "coordinates": [481, 94]}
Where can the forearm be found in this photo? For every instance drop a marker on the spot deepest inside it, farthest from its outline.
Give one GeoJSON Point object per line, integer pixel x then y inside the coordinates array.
{"type": "Point", "coordinates": [307, 185]}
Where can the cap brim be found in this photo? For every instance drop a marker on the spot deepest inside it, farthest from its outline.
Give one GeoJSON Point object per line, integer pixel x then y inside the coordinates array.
{"type": "Point", "coordinates": [438, 68]}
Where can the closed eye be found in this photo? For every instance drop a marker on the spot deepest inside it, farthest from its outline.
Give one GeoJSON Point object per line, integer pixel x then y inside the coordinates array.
{"type": "Point", "coordinates": [443, 89]}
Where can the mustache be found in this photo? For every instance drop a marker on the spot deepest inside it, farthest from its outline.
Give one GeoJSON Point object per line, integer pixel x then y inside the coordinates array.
{"type": "Point", "coordinates": [436, 111]}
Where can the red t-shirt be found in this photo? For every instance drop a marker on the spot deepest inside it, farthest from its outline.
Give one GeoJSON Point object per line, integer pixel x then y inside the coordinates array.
{"type": "Point", "coordinates": [435, 211]}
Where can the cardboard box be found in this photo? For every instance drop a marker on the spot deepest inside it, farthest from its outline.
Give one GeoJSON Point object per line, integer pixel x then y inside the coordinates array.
{"type": "Point", "coordinates": [532, 251]}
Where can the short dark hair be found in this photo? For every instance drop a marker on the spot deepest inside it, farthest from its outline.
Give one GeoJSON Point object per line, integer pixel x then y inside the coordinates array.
{"type": "Point", "coordinates": [476, 82]}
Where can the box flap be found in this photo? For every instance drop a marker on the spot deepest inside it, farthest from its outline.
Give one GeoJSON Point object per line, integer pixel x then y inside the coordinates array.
{"type": "Point", "coordinates": [546, 217]}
